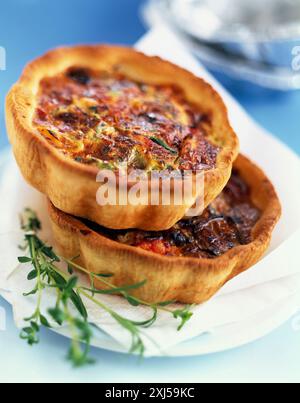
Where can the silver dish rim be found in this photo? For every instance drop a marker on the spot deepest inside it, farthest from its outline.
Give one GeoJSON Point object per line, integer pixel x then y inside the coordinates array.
{"type": "Point", "coordinates": [282, 33]}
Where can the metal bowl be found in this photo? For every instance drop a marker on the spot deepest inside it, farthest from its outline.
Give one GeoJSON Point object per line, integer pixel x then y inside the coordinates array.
{"type": "Point", "coordinates": [265, 31]}
{"type": "Point", "coordinates": [224, 20]}
{"type": "Point", "coordinates": [252, 39]}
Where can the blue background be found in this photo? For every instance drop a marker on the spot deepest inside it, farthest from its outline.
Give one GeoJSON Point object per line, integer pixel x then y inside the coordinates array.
{"type": "Point", "coordinates": [29, 28]}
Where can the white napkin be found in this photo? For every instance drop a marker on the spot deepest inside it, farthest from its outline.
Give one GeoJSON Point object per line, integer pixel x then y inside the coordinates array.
{"type": "Point", "coordinates": [275, 279]}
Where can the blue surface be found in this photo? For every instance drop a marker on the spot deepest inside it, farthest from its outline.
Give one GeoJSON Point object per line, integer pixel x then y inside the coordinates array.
{"type": "Point", "coordinates": [272, 359]}
{"type": "Point", "coordinates": [27, 29]}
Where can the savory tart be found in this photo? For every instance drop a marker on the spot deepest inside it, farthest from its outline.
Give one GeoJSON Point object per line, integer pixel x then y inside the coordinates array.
{"type": "Point", "coordinates": [191, 261]}
{"type": "Point", "coordinates": [78, 110]}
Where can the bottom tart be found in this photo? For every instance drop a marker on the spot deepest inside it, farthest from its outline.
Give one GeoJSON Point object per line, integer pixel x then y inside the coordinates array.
{"type": "Point", "coordinates": [190, 262]}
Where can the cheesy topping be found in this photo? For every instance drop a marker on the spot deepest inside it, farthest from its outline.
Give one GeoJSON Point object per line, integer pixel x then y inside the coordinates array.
{"type": "Point", "coordinates": [109, 121]}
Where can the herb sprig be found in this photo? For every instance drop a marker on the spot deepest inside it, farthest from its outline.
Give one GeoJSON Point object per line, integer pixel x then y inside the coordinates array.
{"type": "Point", "coordinates": [69, 308]}
{"type": "Point", "coordinates": [163, 144]}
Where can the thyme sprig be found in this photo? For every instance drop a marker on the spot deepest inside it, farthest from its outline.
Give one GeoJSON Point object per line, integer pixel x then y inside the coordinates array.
{"type": "Point", "coordinates": [183, 314]}
{"type": "Point", "coordinates": [69, 309]}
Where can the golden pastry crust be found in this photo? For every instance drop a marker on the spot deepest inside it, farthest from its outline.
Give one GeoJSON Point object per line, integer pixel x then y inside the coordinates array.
{"type": "Point", "coordinates": [184, 279]}
{"type": "Point", "coordinates": [71, 185]}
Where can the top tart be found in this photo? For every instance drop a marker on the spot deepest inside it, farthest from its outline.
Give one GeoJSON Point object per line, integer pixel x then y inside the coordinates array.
{"type": "Point", "coordinates": [79, 110]}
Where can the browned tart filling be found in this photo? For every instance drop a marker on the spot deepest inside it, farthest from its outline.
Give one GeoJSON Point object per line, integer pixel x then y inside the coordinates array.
{"type": "Point", "coordinates": [226, 223]}
{"type": "Point", "coordinates": [109, 121]}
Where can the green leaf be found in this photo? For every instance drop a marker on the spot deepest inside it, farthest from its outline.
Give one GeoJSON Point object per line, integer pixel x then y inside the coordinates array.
{"type": "Point", "coordinates": [78, 357]}
{"type": "Point", "coordinates": [44, 321]}
{"type": "Point", "coordinates": [103, 275]}
{"type": "Point", "coordinates": [32, 275]}
{"type": "Point", "coordinates": [57, 315]}
{"type": "Point", "coordinates": [85, 329]}
{"type": "Point", "coordinates": [183, 314]}
{"type": "Point", "coordinates": [80, 346]}
{"type": "Point", "coordinates": [33, 292]}
{"type": "Point", "coordinates": [48, 251]}
{"type": "Point", "coordinates": [30, 334]}
{"type": "Point", "coordinates": [30, 221]}
{"type": "Point", "coordinates": [77, 301]}
{"type": "Point", "coordinates": [70, 269]}
{"type": "Point", "coordinates": [72, 283]}
{"type": "Point", "coordinates": [163, 144]}
{"type": "Point", "coordinates": [35, 326]}
{"type": "Point", "coordinates": [132, 301]}
{"type": "Point", "coordinates": [58, 278]}
{"type": "Point", "coordinates": [28, 330]}
{"type": "Point", "coordinates": [69, 288]}
{"type": "Point", "coordinates": [149, 322]}
{"type": "Point", "coordinates": [24, 259]}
